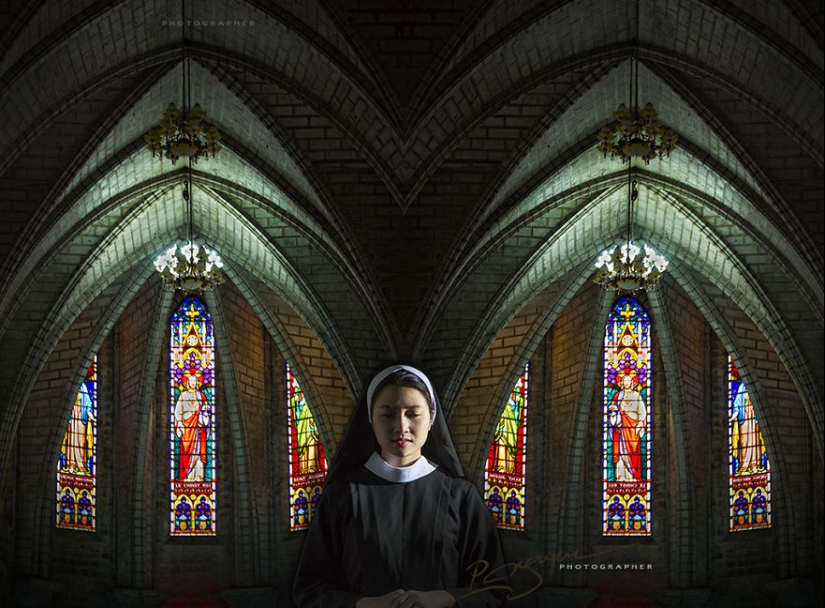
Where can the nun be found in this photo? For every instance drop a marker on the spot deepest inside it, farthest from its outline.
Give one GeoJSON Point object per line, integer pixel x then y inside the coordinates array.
{"type": "Point", "coordinates": [398, 525]}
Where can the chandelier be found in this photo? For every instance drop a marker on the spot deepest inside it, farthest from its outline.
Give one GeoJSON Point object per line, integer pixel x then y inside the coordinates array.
{"type": "Point", "coordinates": [629, 268]}
{"type": "Point", "coordinates": [636, 133]}
{"type": "Point", "coordinates": [182, 132]}
{"type": "Point", "coordinates": [190, 268]}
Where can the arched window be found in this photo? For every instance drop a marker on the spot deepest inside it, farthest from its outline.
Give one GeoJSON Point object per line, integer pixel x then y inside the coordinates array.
{"type": "Point", "coordinates": [626, 432]}
{"type": "Point", "coordinates": [192, 414]}
{"type": "Point", "coordinates": [749, 473]}
{"type": "Point", "coordinates": [77, 463]}
{"type": "Point", "coordinates": [307, 464]}
{"type": "Point", "coordinates": [506, 471]}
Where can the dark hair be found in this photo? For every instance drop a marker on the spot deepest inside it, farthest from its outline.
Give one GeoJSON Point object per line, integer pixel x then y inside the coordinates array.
{"type": "Point", "coordinates": [358, 442]}
{"type": "Point", "coordinates": [402, 377]}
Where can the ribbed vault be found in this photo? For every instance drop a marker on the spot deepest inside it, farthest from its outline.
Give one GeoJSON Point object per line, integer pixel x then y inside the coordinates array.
{"type": "Point", "coordinates": [414, 180]}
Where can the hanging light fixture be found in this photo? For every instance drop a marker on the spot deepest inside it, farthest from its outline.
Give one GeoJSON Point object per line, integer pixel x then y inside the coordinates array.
{"type": "Point", "coordinates": [190, 268]}
{"type": "Point", "coordinates": [629, 268]}
{"type": "Point", "coordinates": [182, 132]}
{"type": "Point", "coordinates": [637, 133]}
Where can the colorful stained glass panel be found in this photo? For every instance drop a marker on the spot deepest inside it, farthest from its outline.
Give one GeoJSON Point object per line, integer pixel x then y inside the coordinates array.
{"type": "Point", "coordinates": [749, 473]}
{"type": "Point", "coordinates": [307, 464]}
{"type": "Point", "coordinates": [505, 475]}
{"type": "Point", "coordinates": [192, 413]}
{"type": "Point", "coordinates": [626, 436]}
{"type": "Point", "coordinates": [77, 463]}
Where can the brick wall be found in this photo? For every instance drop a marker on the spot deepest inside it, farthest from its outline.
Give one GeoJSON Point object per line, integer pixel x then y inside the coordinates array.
{"type": "Point", "coordinates": [42, 551]}
{"type": "Point", "coordinates": [690, 548]}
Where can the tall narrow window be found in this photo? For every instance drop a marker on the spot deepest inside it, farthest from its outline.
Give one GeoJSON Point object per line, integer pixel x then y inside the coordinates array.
{"type": "Point", "coordinates": [749, 474]}
{"type": "Point", "coordinates": [505, 473]}
{"type": "Point", "coordinates": [77, 463]}
{"type": "Point", "coordinates": [626, 432]}
{"type": "Point", "coordinates": [307, 464]}
{"type": "Point", "coordinates": [193, 508]}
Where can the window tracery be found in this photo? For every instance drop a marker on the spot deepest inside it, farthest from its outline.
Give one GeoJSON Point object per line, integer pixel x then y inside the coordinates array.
{"type": "Point", "coordinates": [192, 422]}
{"type": "Point", "coordinates": [749, 472]}
{"type": "Point", "coordinates": [505, 474]}
{"type": "Point", "coordinates": [626, 429]}
{"type": "Point", "coordinates": [307, 463]}
{"type": "Point", "coordinates": [77, 464]}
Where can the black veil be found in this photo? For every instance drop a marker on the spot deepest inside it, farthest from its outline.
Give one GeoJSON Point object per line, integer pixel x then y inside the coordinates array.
{"type": "Point", "coordinates": [359, 442]}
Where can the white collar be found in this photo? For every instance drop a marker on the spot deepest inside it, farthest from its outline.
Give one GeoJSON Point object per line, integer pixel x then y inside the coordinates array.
{"type": "Point", "coordinates": [384, 470]}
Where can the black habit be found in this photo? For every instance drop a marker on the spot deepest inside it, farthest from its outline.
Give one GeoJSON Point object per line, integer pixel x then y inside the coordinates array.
{"type": "Point", "coordinates": [371, 536]}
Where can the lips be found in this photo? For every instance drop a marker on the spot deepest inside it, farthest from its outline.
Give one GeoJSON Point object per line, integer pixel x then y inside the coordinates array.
{"type": "Point", "coordinates": [403, 442]}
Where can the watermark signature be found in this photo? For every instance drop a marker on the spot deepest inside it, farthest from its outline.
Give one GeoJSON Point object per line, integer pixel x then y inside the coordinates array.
{"type": "Point", "coordinates": [520, 578]}
{"type": "Point", "coordinates": [208, 23]}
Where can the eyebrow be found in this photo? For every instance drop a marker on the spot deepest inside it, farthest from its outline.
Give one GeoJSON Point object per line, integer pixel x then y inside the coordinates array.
{"type": "Point", "coordinates": [395, 407]}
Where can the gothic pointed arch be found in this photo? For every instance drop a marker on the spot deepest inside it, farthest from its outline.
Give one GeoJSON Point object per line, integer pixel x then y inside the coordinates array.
{"type": "Point", "coordinates": [505, 474]}
{"type": "Point", "coordinates": [626, 416]}
{"type": "Point", "coordinates": [307, 462]}
{"type": "Point", "coordinates": [749, 471]}
{"type": "Point", "coordinates": [76, 474]}
{"type": "Point", "coordinates": [192, 422]}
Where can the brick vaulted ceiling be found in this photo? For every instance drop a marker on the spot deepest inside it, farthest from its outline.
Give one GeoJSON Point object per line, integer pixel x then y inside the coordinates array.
{"type": "Point", "coordinates": [408, 174]}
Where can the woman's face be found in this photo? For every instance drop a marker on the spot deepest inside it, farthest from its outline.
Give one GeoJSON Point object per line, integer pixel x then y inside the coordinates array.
{"type": "Point", "coordinates": [401, 422]}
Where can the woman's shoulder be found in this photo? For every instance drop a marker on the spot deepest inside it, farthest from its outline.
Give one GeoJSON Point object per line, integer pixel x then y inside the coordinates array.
{"type": "Point", "coordinates": [466, 487]}
{"type": "Point", "coordinates": [459, 486]}
{"type": "Point", "coordinates": [363, 476]}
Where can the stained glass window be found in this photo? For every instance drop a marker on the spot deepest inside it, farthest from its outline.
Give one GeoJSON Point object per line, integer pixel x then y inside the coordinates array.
{"type": "Point", "coordinates": [77, 463]}
{"type": "Point", "coordinates": [192, 444]}
{"type": "Point", "coordinates": [626, 432]}
{"type": "Point", "coordinates": [749, 473]}
{"type": "Point", "coordinates": [505, 473]}
{"type": "Point", "coordinates": [307, 464]}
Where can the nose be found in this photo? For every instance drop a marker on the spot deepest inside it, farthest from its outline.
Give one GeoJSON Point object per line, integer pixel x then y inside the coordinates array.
{"type": "Point", "coordinates": [400, 421]}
